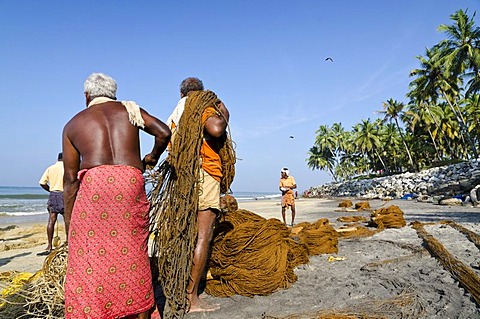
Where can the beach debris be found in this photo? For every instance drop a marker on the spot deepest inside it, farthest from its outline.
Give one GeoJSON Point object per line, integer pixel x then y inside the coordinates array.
{"type": "Point", "coordinates": [424, 199]}
{"type": "Point", "coordinates": [405, 305]}
{"type": "Point", "coordinates": [388, 217]}
{"type": "Point", "coordinates": [11, 282]}
{"type": "Point", "coordinates": [467, 278]}
{"type": "Point", "coordinates": [345, 203]}
{"type": "Point", "coordinates": [332, 258]}
{"type": "Point", "coordinates": [451, 201]}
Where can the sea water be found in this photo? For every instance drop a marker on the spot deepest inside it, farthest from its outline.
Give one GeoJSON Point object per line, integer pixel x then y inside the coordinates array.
{"type": "Point", "coordinates": [249, 196]}
{"type": "Point", "coordinates": [24, 204]}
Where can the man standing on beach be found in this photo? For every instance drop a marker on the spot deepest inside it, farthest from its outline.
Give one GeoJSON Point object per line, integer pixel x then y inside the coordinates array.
{"type": "Point", "coordinates": [287, 185]}
{"type": "Point", "coordinates": [106, 209]}
{"type": "Point", "coordinates": [215, 125]}
{"type": "Point", "coordinates": [52, 182]}
{"type": "Point", "coordinates": [199, 124]}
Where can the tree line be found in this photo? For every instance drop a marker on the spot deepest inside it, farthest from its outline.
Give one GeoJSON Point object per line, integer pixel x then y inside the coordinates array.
{"type": "Point", "coordinates": [440, 123]}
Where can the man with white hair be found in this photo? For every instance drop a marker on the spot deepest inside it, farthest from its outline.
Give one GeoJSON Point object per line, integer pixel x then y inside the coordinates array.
{"type": "Point", "coordinates": [287, 185]}
{"type": "Point", "coordinates": [106, 209]}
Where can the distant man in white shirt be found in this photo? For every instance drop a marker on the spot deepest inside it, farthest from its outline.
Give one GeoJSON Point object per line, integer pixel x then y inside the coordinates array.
{"type": "Point", "coordinates": [52, 182]}
{"type": "Point", "coordinates": [287, 185]}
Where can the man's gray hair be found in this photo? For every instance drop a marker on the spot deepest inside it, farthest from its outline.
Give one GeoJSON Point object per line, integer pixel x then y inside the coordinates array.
{"type": "Point", "coordinates": [99, 84]}
{"type": "Point", "coordinates": [191, 84]}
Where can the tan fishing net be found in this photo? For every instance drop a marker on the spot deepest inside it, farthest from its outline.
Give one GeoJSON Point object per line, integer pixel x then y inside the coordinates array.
{"type": "Point", "coordinates": [41, 296]}
{"type": "Point", "coordinates": [362, 206]}
{"type": "Point", "coordinates": [345, 203]}
{"type": "Point", "coordinates": [389, 217]}
{"type": "Point", "coordinates": [461, 272]}
{"type": "Point", "coordinates": [248, 249]}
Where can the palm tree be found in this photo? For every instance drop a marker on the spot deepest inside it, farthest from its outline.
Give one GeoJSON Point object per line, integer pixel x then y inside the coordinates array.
{"type": "Point", "coordinates": [393, 154]}
{"type": "Point", "coordinates": [392, 111]}
{"type": "Point", "coordinates": [461, 50]}
{"type": "Point", "coordinates": [325, 140]}
{"type": "Point", "coordinates": [472, 111]}
{"type": "Point", "coordinates": [432, 82]}
{"type": "Point", "coordinates": [367, 139]}
{"type": "Point", "coordinates": [340, 137]}
{"type": "Point", "coordinates": [421, 117]}
{"type": "Point", "coordinates": [459, 53]}
{"type": "Point", "coordinates": [321, 159]}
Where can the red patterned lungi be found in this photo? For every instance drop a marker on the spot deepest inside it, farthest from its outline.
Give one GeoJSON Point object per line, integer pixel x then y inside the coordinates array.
{"type": "Point", "coordinates": [108, 271]}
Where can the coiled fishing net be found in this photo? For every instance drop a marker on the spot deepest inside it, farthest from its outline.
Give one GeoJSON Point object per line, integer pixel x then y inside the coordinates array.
{"type": "Point", "coordinates": [42, 295]}
{"type": "Point", "coordinates": [345, 203]}
{"type": "Point", "coordinates": [388, 217]}
{"type": "Point", "coordinates": [255, 256]}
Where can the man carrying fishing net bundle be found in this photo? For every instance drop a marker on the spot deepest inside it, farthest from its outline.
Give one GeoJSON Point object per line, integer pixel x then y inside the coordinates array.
{"type": "Point", "coordinates": [186, 199]}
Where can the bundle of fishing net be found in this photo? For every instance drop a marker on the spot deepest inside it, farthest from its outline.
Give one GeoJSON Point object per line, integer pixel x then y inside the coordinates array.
{"type": "Point", "coordinates": [39, 296]}
{"type": "Point", "coordinates": [388, 217]}
{"type": "Point", "coordinates": [243, 256]}
{"type": "Point", "coordinates": [248, 249]}
{"type": "Point", "coordinates": [345, 203]}
{"type": "Point", "coordinates": [319, 237]}
{"type": "Point", "coordinates": [362, 206]}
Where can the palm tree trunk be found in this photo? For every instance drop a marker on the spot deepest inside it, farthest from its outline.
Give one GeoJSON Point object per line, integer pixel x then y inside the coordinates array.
{"type": "Point", "coordinates": [437, 151]}
{"type": "Point", "coordinates": [410, 160]}
{"type": "Point", "coordinates": [462, 124]}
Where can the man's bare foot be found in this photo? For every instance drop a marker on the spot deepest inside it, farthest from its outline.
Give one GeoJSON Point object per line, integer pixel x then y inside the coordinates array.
{"type": "Point", "coordinates": [202, 305]}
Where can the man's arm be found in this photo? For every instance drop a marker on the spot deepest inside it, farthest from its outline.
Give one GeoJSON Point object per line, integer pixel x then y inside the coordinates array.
{"type": "Point", "coordinates": [216, 125]}
{"type": "Point", "coordinates": [45, 187]}
{"type": "Point", "coordinates": [162, 134]}
{"type": "Point", "coordinates": [71, 165]}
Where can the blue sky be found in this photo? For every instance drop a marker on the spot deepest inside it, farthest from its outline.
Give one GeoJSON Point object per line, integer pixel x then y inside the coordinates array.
{"type": "Point", "coordinates": [264, 59]}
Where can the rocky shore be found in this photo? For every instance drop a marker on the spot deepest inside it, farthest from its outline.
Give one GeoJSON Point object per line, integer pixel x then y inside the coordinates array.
{"type": "Point", "coordinates": [440, 182]}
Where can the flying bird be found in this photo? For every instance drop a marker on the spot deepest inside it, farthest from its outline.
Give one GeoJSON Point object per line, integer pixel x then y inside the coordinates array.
{"type": "Point", "coordinates": [291, 136]}
{"type": "Point", "coordinates": [329, 59]}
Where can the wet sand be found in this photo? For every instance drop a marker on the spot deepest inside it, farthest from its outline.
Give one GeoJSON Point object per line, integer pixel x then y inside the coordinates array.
{"type": "Point", "coordinates": [388, 271]}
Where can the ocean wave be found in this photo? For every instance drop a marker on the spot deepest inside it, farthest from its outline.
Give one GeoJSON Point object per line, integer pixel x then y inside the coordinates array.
{"type": "Point", "coordinates": [17, 214]}
{"type": "Point", "coordinates": [23, 196]}
{"type": "Point", "coordinates": [259, 197]}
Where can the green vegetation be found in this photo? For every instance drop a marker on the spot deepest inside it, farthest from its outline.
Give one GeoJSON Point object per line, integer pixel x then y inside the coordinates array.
{"type": "Point", "coordinates": [439, 124]}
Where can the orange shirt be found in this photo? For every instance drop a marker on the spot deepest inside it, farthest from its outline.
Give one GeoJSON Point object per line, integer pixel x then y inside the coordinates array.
{"type": "Point", "coordinates": [287, 182]}
{"type": "Point", "coordinates": [210, 159]}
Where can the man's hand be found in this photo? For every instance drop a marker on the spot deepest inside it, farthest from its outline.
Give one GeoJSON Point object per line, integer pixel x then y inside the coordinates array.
{"type": "Point", "coordinates": [149, 161]}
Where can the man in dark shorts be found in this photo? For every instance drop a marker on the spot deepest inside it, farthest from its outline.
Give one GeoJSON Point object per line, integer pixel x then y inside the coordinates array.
{"type": "Point", "coordinates": [52, 182]}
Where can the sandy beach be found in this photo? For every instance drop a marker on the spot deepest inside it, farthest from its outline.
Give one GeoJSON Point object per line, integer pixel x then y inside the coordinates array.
{"type": "Point", "coordinates": [390, 274]}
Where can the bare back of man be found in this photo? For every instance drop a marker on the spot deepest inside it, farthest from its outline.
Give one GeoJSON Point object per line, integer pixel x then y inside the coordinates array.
{"type": "Point", "coordinates": [113, 134]}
